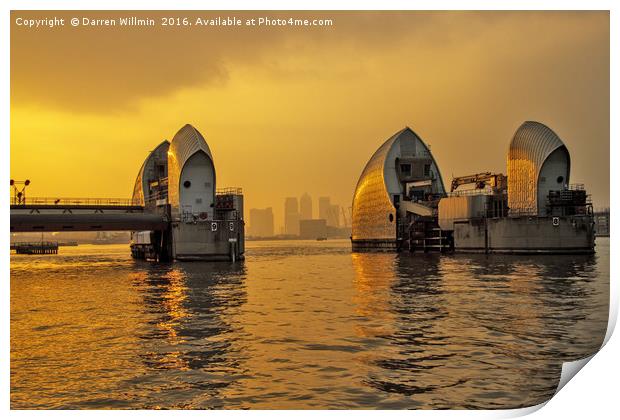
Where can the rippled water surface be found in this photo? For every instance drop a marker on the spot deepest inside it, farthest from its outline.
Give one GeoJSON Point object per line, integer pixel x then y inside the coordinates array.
{"type": "Point", "coordinates": [300, 324]}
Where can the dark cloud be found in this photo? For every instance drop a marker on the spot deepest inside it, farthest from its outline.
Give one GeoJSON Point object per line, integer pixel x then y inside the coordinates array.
{"type": "Point", "coordinates": [106, 69]}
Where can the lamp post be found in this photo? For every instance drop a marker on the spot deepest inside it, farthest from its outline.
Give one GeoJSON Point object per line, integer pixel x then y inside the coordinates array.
{"type": "Point", "coordinates": [19, 191]}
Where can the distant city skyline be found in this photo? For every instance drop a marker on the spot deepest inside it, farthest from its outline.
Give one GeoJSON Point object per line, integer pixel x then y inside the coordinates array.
{"type": "Point", "coordinates": [297, 210]}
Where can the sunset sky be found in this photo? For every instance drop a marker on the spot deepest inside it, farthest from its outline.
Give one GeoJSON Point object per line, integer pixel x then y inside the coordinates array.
{"type": "Point", "coordinates": [291, 110]}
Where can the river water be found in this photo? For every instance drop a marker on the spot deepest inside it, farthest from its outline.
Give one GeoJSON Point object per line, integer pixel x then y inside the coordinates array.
{"type": "Point", "coordinates": [300, 324]}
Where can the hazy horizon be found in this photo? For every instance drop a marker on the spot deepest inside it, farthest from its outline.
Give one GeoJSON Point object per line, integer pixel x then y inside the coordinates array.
{"type": "Point", "coordinates": [293, 110]}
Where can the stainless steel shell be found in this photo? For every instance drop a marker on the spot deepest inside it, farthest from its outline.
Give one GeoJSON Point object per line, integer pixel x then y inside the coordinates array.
{"type": "Point", "coordinates": [378, 183]}
{"type": "Point", "coordinates": [531, 144]}
{"type": "Point", "coordinates": [141, 187]}
{"type": "Point", "coordinates": [185, 143]}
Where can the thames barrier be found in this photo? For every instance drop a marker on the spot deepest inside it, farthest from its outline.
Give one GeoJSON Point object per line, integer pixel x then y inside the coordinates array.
{"type": "Point", "coordinates": [176, 212]}
{"type": "Point", "coordinates": [400, 202]}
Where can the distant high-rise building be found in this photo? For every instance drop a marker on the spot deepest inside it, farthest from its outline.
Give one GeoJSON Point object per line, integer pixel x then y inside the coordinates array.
{"type": "Point", "coordinates": [601, 222]}
{"type": "Point", "coordinates": [291, 216]}
{"type": "Point", "coordinates": [324, 204]}
{"type": "Point", "coordinates": [261, 222]}
{"type": "Point", "coordinates": [305, 207]}
{"type": "Point", "coordinates": [312, 229]}
{"type": "Point", "coordinates": [333, 215]}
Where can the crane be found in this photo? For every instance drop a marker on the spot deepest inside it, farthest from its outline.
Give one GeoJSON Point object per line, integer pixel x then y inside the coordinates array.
{"type": "Point", "coordinates": [497, 181]}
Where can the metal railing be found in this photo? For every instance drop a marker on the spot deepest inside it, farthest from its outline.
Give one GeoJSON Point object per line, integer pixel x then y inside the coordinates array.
{"type": "Point", "coordinates": [51, 201]}
{"type": "Point", "coordinates": [229, 191]}
{"type": "Point", "coordinates": [159, 182]}
{"type": "Point", "coordinates": [470, 192]}
{"type": "Point", "coordinates": [159, 195]}
{"type": "Point", "coordinates": [35, 243]}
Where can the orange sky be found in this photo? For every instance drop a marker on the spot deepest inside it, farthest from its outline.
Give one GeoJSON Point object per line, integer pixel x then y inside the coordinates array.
{"type": "Point", "coordinates": [293, 110]}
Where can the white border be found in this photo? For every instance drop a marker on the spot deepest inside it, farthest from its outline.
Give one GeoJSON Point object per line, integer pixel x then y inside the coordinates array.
{"type": "Point", "coordinates": [308, 5]}
{"type": "Point", "coordinates": [593, 393]}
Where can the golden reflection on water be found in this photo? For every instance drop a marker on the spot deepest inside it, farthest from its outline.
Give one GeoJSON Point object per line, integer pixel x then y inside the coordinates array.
{"type": "Point", "coordinates": [300, 325]}
{"type": "Point", "coordinates": [172, 294]}
{"type": "Point", "coordinates": [71, 335]}
{"type": "Point", "coordinates": [459, 324]}
{"type": "Point", "coordinates": [374, 276]}
{"type": "Point", "coordinates": [173, 302]}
